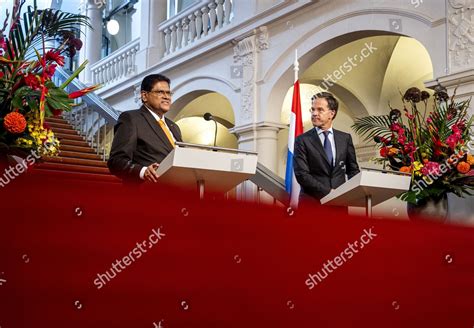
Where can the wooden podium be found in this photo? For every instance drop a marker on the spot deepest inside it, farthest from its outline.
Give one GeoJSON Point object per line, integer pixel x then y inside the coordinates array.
{"type": "Point", "coordinates": [214, 168]}
{"type": "Point", "coordinates": [369, 188]}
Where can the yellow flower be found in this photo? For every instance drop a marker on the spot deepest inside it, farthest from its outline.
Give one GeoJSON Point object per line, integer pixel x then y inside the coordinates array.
{"type": "Point", "coordinates": [417, 166]}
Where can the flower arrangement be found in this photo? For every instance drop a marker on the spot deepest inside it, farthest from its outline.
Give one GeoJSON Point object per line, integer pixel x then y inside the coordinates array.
{"type": "Point", "coordinates": [431, 146]}
{"type": "Point", "coordinates": [30, 52]}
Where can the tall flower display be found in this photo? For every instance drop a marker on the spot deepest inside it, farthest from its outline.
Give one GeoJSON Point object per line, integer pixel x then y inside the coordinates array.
{"type": "Point", "coordinates": [33, 44]}
{"type": "Point", "coordinates": [434, 146]}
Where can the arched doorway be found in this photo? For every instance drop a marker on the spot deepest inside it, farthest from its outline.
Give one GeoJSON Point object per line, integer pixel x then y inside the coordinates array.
{"type": "Point", "coordinates": [365, 75]}
{"type": "Point", "coordinates": [189, 110]}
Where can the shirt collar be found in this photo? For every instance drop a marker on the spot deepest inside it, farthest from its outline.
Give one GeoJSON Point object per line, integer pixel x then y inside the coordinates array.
{"type": "Point", "coordinates": [319, 130]}
{"type": "Point", "coordinates": [156, 116]}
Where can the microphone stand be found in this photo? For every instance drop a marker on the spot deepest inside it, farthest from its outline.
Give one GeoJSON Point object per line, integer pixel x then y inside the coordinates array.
{"type": "Point", "coordinates": [215, 133]}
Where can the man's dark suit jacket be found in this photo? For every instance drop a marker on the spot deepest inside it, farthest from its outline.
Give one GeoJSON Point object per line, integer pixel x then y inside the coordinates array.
{"type": "Point", "coordinates": [139, 141]}
{"type": "Point", "coordinates": [312, 168]}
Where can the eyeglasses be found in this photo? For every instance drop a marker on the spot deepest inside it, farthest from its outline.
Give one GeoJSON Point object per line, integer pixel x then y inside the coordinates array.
{"type": "Point", "coordinates": [162, 92]}
{"type": "Point", "coordinates": [318, 110]}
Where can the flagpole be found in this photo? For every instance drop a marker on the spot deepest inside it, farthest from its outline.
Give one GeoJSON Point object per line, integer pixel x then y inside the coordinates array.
{"type": "Point", "coordinates": [296, 65]}
{"type": "Point", "coordinates": [295, 187]}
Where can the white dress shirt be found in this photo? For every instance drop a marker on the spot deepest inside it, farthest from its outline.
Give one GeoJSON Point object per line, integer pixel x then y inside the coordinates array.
{"type": "Point", "coordinates": [331, 139]}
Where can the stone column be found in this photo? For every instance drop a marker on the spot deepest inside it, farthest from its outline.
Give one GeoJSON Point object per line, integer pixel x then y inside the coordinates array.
{"type": "Point", "coordinates": [152, 45]}
{"type": "Point", "coordinates": [93, 40]}
{"type": "Point", "coordinates": [246, 53]}
{"type": "Point", "coordinates": [460, 32]}
{"type": "Point", "coordinates": [265, 136]}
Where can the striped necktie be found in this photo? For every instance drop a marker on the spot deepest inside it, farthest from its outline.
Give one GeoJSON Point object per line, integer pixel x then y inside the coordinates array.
{"type": "Point", "coordinates": [166, 131]}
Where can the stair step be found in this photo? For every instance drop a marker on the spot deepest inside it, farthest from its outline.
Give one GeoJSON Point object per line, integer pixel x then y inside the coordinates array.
{"type": "Point", "coordinates": [77, 175]}
{"type": "Point", "coordinates": [76, 154]}
{"type": "Point", "coordinates": [55, 126]}
{"type": "Point", "coordinates": [73, 168]}
{"type": "Point", "coordinates": [79, 149]}
{"type": "Point", "coordinates": [75, 161]}
{"type": "Point", "coordinates": [56, 120]}
{"type": "Point", "coordinates": [69, 131]}
{"type": "Point", "coordinates": [63, 136]}
{"type": "Point", "coordinates": [75, 143]}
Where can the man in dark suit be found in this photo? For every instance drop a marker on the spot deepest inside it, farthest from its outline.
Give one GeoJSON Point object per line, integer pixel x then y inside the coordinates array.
{"type": "Point", "coordinates": [144, 137]}
{"type": "Point", "coordinates": [323, 155]}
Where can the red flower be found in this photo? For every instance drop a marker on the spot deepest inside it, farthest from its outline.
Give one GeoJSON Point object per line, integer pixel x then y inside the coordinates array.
{"type": "Point", "coordinates": [430, 168]}
{"type": "Point", "coordinates": [32, 81]}
{"type": "Point", "coordinates": [49, 70]}
{"type": "Point", "coordinates": [384, 151]}
{"type": "Point", "coordinates": [14, 123]}
{"type": "Point", "coordinates": [56, 113]}
{"type": "Point", "coordinates": [453, 140]}
{"type": "Point", "coordinates": [395, 127]}
{"type": "Point", "coordinates": [55, 56]}
{"type": "Point", "coordinates": [3, 43]}
{"type": "Point", "coordinates": [1, 74]}
{"type": "Point", "coordinates": [80, 93]}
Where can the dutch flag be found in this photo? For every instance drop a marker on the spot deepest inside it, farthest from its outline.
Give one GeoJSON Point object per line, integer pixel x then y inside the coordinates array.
{"type": "Point", "coordinates": [296, 128]}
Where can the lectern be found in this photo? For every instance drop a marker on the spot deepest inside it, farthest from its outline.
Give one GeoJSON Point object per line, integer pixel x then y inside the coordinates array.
{"type": "Point", "coordinates": [212, 168]}
{"type": "Point", "coordinates": [369, 188]}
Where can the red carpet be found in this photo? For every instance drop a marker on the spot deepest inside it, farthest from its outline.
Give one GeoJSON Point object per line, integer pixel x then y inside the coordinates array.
{"type": "Point", "coordinates": [218, 264]}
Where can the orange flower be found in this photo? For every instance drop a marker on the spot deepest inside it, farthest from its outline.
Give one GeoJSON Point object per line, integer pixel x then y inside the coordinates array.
{"type": "Point", "coordinates": [463, 167]}
{"type": "Point", "coordinates": [392, 151]}
{"type": "Point", "coordinates": [405, 169]}
{"type": "Point", "coordinates": [14, 123]}
{"type": "Point", "coordinates": [470, 159]}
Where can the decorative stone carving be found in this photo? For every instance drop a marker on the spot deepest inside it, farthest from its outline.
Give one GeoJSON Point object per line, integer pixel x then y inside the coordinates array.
{"type": "Point", "coordinates": [461, 34]}
{"type": "Point", "coordinates": [262, 38]}
{"type": "Point", "coordinates": [137, 94]}
{"type": "Point", "coordinates": [245, 53]}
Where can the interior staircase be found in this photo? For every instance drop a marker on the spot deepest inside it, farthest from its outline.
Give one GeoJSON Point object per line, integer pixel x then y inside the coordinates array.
{"type": "Point", "coordinates": [76, 159]}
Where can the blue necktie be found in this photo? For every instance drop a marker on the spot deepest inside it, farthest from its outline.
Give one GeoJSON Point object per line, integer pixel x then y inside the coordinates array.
{"type": "Point", "coordinates": [327, 146]}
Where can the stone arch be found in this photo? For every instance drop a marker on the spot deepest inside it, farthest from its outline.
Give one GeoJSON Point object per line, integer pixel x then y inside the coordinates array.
{"type": "Point", "coordinates": [199, 95]}
{"type": "Point", "coordinates": [189, 89]}
{"type": "Point", "coordinates": [324, 38]}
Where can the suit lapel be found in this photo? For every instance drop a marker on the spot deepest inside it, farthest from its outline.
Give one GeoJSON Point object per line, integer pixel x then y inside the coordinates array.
{"type": "Point", "coordinates": [173, 129]}
{"type": "Point", "coordinates": [155, 127]}
{"type": "Point", "coordinates": [339, 141]}
{"type": "Point", "coordinates": [319, 147]}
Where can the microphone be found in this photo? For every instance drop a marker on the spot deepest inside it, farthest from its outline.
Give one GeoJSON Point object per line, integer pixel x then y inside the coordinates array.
{"type": "Point", "coordinates": [209, 117]}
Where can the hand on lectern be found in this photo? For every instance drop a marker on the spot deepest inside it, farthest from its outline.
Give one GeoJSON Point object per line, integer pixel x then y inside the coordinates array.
{"type": "Point", "coordinates": [150, 173]}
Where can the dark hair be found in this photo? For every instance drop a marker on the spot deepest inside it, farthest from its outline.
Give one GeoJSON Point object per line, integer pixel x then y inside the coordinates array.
{"type": "Point", "coordinates": [333, 104]}
{"type": "Point", "coordinates": [150, 80]}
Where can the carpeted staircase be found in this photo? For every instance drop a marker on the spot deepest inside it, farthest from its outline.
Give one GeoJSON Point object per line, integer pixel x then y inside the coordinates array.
{"type": "Point", "coordinates": [76, 160]}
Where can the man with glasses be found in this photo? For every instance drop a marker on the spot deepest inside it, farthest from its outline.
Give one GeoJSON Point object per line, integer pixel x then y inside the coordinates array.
{"type": "Point", "coordinates": [144, 137]}
{"type": "Point", "coordinates": [323, 155]}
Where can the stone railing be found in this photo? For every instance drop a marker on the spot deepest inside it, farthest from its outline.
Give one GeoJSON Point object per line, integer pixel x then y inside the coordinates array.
{"type": "Point", "coordinates": [117, 66]}
{"type": "Point", "coordinates": [188, 27]}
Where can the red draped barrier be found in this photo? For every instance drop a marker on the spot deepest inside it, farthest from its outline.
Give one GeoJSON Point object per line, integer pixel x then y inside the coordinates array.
{"type": "Point", "coordinates": [78, 254]}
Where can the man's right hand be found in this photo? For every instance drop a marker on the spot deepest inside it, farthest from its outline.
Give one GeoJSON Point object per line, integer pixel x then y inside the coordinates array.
{"type": "Point", "coordinates": [150, 173]}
